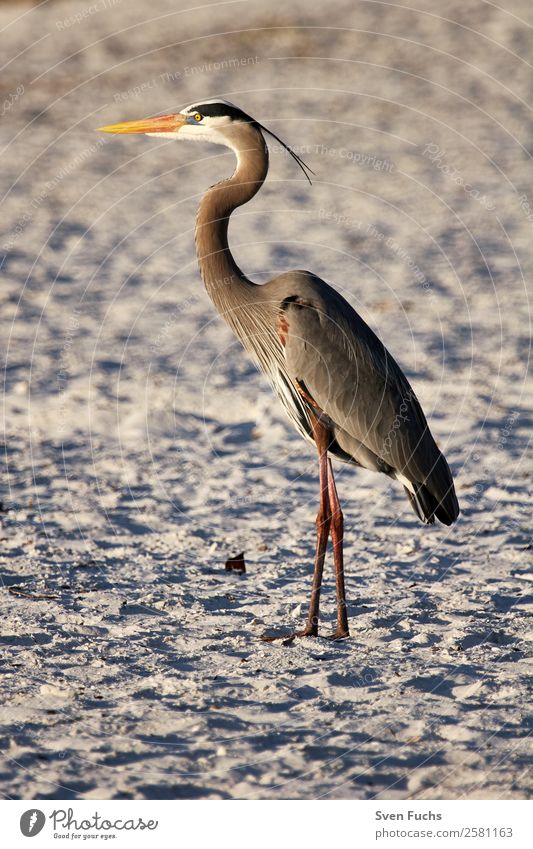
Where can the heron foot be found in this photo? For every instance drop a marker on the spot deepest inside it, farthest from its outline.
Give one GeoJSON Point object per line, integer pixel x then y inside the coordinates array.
{"type": "Point", "coordinates": [340, 634]}
{"type": "Point", "coordinates": [308, 631]}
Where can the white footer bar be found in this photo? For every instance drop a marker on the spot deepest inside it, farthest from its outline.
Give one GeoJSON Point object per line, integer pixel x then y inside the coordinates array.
{"type": "Point", "coordinates": [267, 824]}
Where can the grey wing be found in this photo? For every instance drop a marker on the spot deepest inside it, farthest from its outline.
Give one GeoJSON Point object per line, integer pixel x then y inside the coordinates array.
{"type": "Point", "coordinates": [337, 361]}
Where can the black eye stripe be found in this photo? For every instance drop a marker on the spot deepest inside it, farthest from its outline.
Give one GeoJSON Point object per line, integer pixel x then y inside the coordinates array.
{"type": "Point", "coordinates": [219, 110]}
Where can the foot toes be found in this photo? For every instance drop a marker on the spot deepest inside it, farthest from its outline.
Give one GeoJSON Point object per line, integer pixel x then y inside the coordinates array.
{"type": "Point", "coordinates": [339, 635]}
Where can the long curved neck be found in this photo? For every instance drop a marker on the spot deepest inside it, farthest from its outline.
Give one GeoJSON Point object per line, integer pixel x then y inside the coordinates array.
{"type": "Point", "coordinates": [226, 285]}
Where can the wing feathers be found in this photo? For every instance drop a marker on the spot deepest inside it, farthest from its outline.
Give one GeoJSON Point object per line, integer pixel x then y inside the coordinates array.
{"type": "Point", "coordinates": [351, 376]}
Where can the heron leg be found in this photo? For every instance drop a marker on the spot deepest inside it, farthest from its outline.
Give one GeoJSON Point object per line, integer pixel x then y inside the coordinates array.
{"type": "Point", "coordinates": [337, 538]}
{"type": "Point", "coordinates": [323, 524]}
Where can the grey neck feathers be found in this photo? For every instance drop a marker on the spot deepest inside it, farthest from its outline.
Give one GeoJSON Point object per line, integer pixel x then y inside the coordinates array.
{"type": "Point", "coordinates": [226, 285]}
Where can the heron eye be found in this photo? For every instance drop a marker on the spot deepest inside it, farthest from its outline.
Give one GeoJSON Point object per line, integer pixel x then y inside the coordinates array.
{"type": "Point", "coordinates": [197, 117]}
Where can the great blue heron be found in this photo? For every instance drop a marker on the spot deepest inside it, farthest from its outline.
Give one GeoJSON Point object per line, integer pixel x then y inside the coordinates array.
{"type": "Point", "coordinates": [338, 383]}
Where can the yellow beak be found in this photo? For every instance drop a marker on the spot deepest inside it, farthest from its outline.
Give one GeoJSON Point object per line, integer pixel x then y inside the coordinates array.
{"type": "Point", "coordinates": [162, 124]}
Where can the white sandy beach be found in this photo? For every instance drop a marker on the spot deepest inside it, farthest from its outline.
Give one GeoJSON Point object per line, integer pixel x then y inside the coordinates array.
{"type": "Point", "coordinates": [142, 448]}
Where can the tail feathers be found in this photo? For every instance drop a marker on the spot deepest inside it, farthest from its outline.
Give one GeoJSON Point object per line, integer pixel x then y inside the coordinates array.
{"type": "Point", "coordinates": [421, 506]}
{"type": "Point", "coordinates": [447, 509]}
{"type": "Point", "coordinates": [427, 507]}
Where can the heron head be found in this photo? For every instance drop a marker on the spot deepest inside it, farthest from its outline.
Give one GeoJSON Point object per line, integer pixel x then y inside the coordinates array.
{"type": "Point", "coordinates": [216, 121]}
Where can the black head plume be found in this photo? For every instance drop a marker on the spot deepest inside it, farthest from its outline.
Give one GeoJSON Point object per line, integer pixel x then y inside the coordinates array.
{"type": "Point", "coordinates": [305, 168]}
